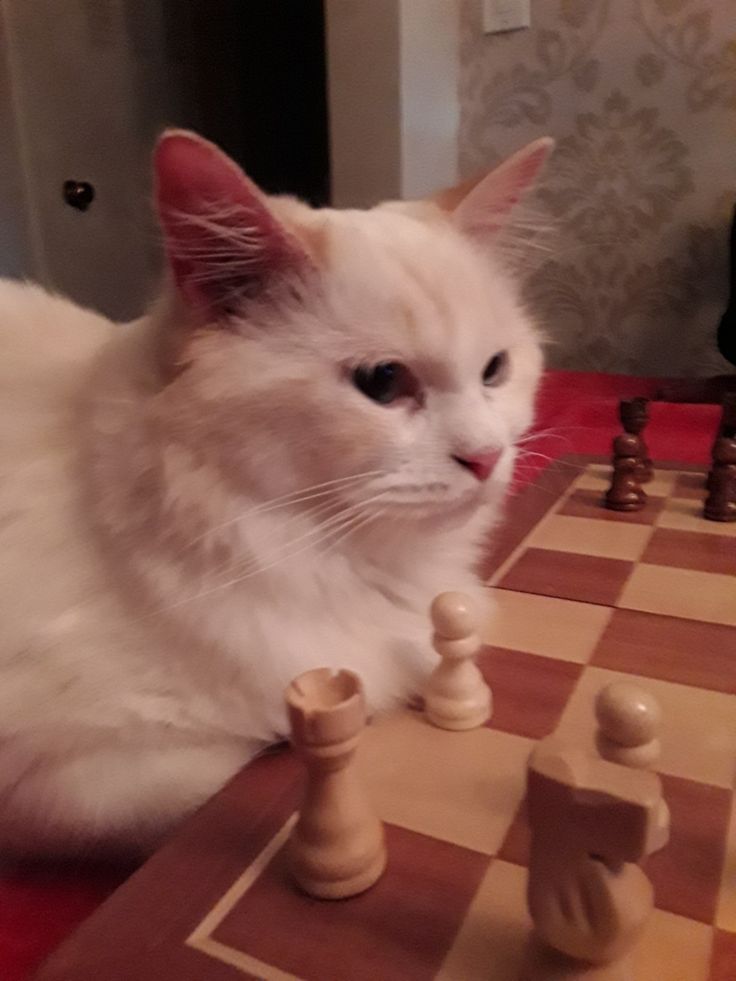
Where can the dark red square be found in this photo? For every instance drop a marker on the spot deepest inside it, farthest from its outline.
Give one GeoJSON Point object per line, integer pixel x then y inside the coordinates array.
{"type": "Point", "coordinates": [529, 691]}
{"type": "Point", "coordinates": [585, 503]}
{"type": "Point", "coordinates": [688, 652]}
{"type": "Point", "coordinates": [400, 930]}
{"type": "Point", "coordinates": [568, 575]}
{"type": "Point", "coordinates": [690, 486]}
{"type": "Point", "coordinates": [723, 963]}
{"type": "Point", "coordinates": [516, 844]}
{"type": "Point", "coordinates": [701, 550]}
{"type": "Point", "coordinates": [686, 873]}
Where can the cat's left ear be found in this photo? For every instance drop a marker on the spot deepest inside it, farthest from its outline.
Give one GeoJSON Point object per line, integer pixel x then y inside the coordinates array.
{"type": "Point", "coordinates": [483, 204]}
{"type": "Point", "coordinates": [223, 242]}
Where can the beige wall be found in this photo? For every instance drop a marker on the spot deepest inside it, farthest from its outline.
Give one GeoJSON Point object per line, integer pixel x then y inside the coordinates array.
{"type": "Point", "coordinates": [641, 96]}
{"type": "Point", "coordinates": [393, 98]}
{"type": "Point", "coordinates": [364, 105]}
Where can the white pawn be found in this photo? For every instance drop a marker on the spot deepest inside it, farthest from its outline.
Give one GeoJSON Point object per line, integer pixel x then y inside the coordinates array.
{"type": "Point", "coordinates": [456, 695]}
{"type": "Point", "coordinates": [628, 723]}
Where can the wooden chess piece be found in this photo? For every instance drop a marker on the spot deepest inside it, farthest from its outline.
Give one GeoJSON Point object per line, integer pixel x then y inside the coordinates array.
{"type": "Point", "coordinates": [591, 821]}
{"type": "Point", "coordinates": [720, 504]}
{"type": "Point", "coordinates": [628, 724]}
{"type": "Point", "coordinates": [337, 848]}
{"type": "Point", "coordinates": [629, 719]}
{"type": "Point", "coordinates": [625, 492]}
{"type": "Point", "coordinates": [727, 424]}
{"type": "Point", "coordinates": [726, 428]}
{"type": "Point", "coordinates": [634, 416]}
{"type": "Point", "coordinates": [456, 695]}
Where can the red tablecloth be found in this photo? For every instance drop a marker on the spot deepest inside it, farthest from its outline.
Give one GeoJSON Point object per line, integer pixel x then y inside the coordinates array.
{"type": "Point", "coordinates": [577, 413]}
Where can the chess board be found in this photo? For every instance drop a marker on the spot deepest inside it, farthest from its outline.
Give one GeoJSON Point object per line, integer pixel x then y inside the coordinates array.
{"type": "Point", "coordinates": [584, 596]}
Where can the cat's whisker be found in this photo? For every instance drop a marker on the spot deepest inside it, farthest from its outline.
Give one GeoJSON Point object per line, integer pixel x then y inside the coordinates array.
{"type": "Point", "coordinates": [345, 513]}
{"type": "Point", "coordinates": [528, 455]}
{"type": "Point", "coordinates": [293, 498]}
{"type": "Point", "coordinates": [373, 516]}
{"type": "Point", "coordinates": [324, 508]}
{"type": "Point", "coordinates": [543, 437]}
{"type": "Point", "coordinates": [249, 572]}
{"type": "Point", "coordinates": [541, 434]}
{"type": "Point", "coordinates": [551, 460]}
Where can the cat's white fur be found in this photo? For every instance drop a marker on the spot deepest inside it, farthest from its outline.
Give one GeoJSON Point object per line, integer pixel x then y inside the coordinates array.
{"type": "Point", "coordinates": [162, 579]}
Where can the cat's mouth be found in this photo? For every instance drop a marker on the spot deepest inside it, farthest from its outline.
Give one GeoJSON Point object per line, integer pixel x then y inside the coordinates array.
{"type": "Point", "coordinates": [430, 499]}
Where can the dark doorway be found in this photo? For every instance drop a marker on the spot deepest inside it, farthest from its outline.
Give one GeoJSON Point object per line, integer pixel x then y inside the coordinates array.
{"type": "Point", "coordinates": [252, 77]}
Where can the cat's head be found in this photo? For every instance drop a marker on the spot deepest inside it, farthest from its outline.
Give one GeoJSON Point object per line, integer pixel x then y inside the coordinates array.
{"type": "Point", "coordinates": [383, 354]}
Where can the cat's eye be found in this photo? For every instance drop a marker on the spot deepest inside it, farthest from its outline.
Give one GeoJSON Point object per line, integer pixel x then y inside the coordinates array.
{"type": "Point", "coordinates": [496, 370]}
{"type": "Point", "coordinates": [384, 382]}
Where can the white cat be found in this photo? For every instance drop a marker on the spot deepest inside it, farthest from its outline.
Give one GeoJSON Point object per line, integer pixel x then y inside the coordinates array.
{"type": "Point", "coordinates": [306, 439]}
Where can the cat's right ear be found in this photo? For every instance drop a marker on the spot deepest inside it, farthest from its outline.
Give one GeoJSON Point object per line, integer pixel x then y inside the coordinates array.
{"type": "Point", "coordinates": [484, 203]}
{"type": "Point", "coordinates": [224, 245]}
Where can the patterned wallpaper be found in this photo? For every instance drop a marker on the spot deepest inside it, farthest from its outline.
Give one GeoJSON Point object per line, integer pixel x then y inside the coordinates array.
{"type": "Point", "coordinates": [641, 97]}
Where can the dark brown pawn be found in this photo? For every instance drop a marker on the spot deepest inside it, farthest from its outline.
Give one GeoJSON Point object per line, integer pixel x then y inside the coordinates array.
{"type": "Point", "coordinates": [720, 505]}
{"type": "Point", "coordinates": [726, 427]}
{"type": "Point", "coordinates": [625, 493]}
{"type": "Point", "coordinates": [634, 415]}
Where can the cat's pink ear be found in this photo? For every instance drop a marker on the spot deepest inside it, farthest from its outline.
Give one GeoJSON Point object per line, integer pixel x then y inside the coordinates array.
{"type": "Point", "coordinates": [223, 244]}
{"type": "Point", "coordinates": [484, 203]}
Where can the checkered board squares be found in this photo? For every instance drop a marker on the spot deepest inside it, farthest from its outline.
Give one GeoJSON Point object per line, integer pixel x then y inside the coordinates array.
{"type": "Point", "coordinates": [597, 477]}
{"type": "Point", "coordinates": [686, 515]}
{"type": "Point", "coordinates": [688, 652]}
{"type": "Point", "coordinates": [704, 596]}
{"type": "Point", "coordinates": [659, 587]}
{"type": "Point", "coordinates": [587, 536]}
{"type": "Point", "coordinates": [697, 550]}
{"type": "Point", "coordinates": [698, 726]}
{"type": "Point", "coordinates": [666, 559]}
{"type": "Point", "coordinates": [416, 909]}
{"type": "Point", "coordinates": [582, 596]}
{"type": "Point", "coordinates": [726, 917]}
{"type": "Point", "coordinates": [494, 939]}
{"type": "Point", "coordinates": [560, 629]}
{"type": "Point", "coordinates": [443, 787]}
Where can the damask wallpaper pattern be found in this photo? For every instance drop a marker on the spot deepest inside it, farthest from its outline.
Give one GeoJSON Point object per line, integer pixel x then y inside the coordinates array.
{"type": "Point", "coordinates": [641, 98]}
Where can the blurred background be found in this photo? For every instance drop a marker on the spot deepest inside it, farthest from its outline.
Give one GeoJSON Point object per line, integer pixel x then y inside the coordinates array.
{"type": "Point", "coordinates": [352, 101]}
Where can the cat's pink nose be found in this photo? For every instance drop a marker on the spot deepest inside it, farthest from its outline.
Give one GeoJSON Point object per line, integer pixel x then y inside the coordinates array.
{"type": "Point", "coordinates": [481, 465]}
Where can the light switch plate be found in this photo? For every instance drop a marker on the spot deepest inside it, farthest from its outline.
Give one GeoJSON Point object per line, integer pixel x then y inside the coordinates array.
{"type": "Point", "coordinates": [505, 15]}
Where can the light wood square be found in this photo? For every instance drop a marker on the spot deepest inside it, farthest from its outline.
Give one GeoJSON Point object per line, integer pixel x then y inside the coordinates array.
{"type": "Point", "coordinates": [687, 515]}
{"type": "Point", "coordinates": [597, 476]}
{"type": "Point", "coordinates": [726, 916]}
{"type": "Point", "coordinates": [675, 948]}
{"type": "Point", "coordinates": [462, 787]}
{"type": "Point", "coordinates": [591, 537]}
{"type": "Point", "coordinates": [559, 628]}
{"type": "Point", "coordinates": [495, 937]}
{"type": "Point", "coordinates": [685, 593]}
{"type": "Point", "coordinates": [698, 732]}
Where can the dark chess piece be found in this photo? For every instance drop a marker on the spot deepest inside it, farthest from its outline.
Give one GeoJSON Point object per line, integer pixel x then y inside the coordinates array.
{"type": "Point", "coordinates": [634, 415]}
{"type": "Point", "coordinates": [720, 505]}
{"type": "Point", "coordinates": [625, 492]}
{"type": "Point", "coordinates": [726, 336]}
{"type": "Point", "coordinates": [713, 389]}
{"type": "Point", "coordinates": [727, 425]}
{"type": "Point", "coordinates": [726, 428]}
